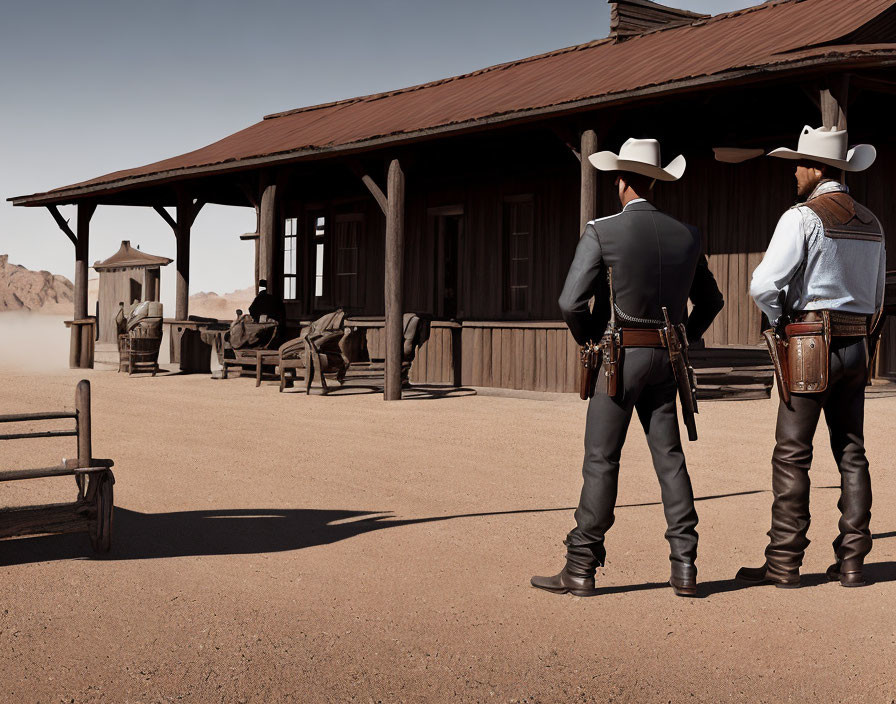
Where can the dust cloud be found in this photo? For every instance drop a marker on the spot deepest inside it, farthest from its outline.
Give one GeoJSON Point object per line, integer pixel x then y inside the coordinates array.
{"type": "Point", "coordinates": [32, 342]}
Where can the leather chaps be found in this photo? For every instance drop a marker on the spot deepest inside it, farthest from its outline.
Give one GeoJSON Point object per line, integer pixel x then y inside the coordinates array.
{"type": "Point", "coordinates": [843, 404]}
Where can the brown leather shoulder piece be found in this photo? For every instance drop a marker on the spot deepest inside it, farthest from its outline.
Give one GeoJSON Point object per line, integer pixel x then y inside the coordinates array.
{"type": "Point", "coordinates": [833, 209]}
{"type": "Point", "coordinates": [843, 218]}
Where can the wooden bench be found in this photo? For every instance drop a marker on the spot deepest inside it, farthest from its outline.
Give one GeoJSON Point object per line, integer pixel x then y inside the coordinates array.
{"type": "Point", "coordinates": [91, 512]}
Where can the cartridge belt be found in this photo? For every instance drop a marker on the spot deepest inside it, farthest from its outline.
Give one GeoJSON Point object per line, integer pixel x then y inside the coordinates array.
{"type": "Point", "coordinates": [641, 337]}
{"type": "Point", "coordinates": [842, 324]}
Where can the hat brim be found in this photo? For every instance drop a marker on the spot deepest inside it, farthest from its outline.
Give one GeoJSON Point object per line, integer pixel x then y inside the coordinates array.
{"type": "Point", "coordinates": [608, 161]}
{"type": "Point", "coordinates": [736, 155]}
{"type": "Point", "coordinates": [858, 158]}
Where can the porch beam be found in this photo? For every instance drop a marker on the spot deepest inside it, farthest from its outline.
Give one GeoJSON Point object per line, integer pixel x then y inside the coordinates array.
{"type": "Point", "coordinates": [568, 137]}
{"type": "Point", "coordinates": [588, 197]}
{"type": "Point", "coordinates": [166, 216]}
{"type": "Point", "coordinates": [63, 224]}
{"type": "Point", "coordinates": [394, 279]}
{"type": "Point", "coordinates": [372, 186]}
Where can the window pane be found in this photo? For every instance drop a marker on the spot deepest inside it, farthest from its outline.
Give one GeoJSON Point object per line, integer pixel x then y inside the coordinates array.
{"type": "Point", "coordinates": [319, 260]}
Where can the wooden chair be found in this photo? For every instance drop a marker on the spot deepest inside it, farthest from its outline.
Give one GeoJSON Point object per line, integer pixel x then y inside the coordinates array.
{"type": "Point", "coordinates": [139, 344]}
{"type": "Point", "coordinates": [242, 342]}
{"type": "Point", "coordinates": [415, 332]}
{"type": "Point", "coordinates": [320, 345]}
{"type": "Point", "coordinates": [91, 512]}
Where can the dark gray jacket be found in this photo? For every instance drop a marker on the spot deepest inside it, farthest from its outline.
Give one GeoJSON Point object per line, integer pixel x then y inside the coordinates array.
{"type": "Point", "coordinates": [654, 259]}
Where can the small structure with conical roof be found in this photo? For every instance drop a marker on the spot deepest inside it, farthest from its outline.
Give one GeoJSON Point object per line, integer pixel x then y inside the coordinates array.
{"type": "Point", "coordinates": [128, 276]}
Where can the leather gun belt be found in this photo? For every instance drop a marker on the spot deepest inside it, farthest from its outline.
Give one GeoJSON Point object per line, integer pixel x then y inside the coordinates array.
{"type": "Point", "coordinates": [842, 324]}
{"type": "Point", "coordinates": [849, 324]}
{"type": "Point", "coordinates": [641, 337]}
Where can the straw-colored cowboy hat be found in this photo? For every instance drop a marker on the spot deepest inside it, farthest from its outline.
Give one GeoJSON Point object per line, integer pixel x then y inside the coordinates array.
{"type": "Point", "coordinates": [827, 145]}
{"type": "Point", "coordinates": [640, 156]}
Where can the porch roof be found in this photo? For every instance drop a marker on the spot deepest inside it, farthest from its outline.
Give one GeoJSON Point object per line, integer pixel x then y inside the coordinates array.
{"type": "Point", "coordinates": [774, 38]}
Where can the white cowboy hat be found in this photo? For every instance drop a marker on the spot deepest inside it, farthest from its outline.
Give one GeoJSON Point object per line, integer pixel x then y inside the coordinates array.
{"type": "Point", "coordinates": [640, 156]}
{"type": "Point", "coordinates": [827, 145]}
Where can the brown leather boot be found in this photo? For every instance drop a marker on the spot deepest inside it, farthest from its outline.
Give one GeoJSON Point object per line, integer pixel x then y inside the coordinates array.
{"type": "Point", "coordinates": [566, 583]}
{"type": "Point", "coordinates": [763, 575]}
{"type": "Point", "coordinates": [848, 572]}
{"type": "Point", "coordinates": [683, 579]}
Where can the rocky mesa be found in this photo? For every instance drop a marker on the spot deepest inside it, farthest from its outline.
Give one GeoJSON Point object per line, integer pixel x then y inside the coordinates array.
{"type": "Point", "coordinates": [22, 289]}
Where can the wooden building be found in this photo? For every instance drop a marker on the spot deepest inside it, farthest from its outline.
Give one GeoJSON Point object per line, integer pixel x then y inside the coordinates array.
{"type": "Point", "coordinates": [464, 198]}
{"type": "Point", "coordinates": [127, 276]}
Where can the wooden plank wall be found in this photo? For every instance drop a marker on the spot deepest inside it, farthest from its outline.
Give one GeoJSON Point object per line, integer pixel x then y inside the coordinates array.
{"type": "Point", "coordinates": [438, 360]}
{"type": "Point", "coordinates": [532, 356]}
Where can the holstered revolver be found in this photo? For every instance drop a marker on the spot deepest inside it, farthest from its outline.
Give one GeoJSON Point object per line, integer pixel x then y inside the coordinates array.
{"type": "Point", "coordinates": [609, 378]}
{"type": "Point", "coordinates": [591, 355]}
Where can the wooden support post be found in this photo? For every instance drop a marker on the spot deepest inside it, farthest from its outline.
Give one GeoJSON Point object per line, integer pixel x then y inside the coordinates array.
{"type": "Point", "coordinates": [588, 199]}
{"type": "Point", "coordinates": [833, 103]}
{"type": "Point", "coordinates": [78, 355]}
{"type": "Point", "coordinates": [187, 210]}
{"type": "Point", "coordinates": [267, 238]}
{"type": "Point", "coordinates": [394, 280]}
{"type": "Point", "coordinates": [82, 409]}
{"type": "Point", "coordinates": [182, 233]}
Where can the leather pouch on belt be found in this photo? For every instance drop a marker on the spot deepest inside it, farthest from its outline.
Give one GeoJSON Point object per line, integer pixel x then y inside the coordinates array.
{"type": "Point", "coordinates": [808, 355]}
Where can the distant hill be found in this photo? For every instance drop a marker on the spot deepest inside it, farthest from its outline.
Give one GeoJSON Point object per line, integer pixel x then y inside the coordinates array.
{"type": "Point", "coordinates": [37, 291]}
{"type": "Point", "coordinates": [42, 292]}
{"type": "Point", "coordinates": [213, 305]}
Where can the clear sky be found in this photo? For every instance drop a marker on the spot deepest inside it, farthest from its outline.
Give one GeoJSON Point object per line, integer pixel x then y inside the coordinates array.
{"type": "Point", "coordinates": [94, 86]}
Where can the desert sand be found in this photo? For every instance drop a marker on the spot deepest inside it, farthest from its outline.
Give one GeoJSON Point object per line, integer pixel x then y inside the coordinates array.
{"type": "Point", "coordinates": [280, 547]}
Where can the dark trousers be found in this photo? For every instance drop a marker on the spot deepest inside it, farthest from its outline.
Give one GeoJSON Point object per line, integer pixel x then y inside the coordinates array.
{"type": "Point", "coordinates": [648, 386]}
{"type": "Point", "coordinates": [843, 404]}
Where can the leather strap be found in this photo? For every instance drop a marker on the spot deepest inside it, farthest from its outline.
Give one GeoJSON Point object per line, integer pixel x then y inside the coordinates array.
{"type": "Point", "coordinates": [641, 337]}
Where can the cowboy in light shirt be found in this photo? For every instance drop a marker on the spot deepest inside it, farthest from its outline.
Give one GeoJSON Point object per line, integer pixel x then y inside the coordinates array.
{"type": "Point", "coordinates": [826, 254]}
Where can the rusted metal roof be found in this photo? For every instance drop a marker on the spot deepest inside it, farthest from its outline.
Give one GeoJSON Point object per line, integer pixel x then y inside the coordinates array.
{"type": "Point", "coordinates": [782, 35]}
{"type": "Point", "coordinates": [129, 258]}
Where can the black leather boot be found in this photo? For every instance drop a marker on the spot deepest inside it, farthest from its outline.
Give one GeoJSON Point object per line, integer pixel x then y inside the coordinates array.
{"type": "Point", "coordinates": [683, 579]}
{"type": "Point", "coordinates": [848, 572]}
{"type": "Point", "coordinates": [767, 575]}
{"type": "Point", "coordinates": [566, 583]}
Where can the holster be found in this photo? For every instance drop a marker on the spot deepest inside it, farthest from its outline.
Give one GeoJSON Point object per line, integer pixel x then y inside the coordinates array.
{"type": "Point", "coordinates": [777, 350]}
{"type": "Point", "coordinates": [685, 379]}
{"type": "Point", "coordinates": [808, 347]}
{"type": "Point", "coordinates": [608, 379]}
{"type": "Point", "coordinates": [591, 360]}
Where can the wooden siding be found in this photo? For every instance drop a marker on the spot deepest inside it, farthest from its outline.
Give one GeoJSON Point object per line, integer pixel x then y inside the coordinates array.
{"type": "Point", "coordinates": [438, 360]}
{"type": "Point", "coordinates": [531, 356]}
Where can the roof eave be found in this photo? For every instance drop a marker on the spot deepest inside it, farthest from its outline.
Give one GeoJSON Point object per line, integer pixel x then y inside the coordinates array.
{"type": "Point", "coordinates": [857, 58]}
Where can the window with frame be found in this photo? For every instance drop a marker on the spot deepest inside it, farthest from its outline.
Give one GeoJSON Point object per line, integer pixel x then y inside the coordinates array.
{"type": "Point", "coordinates": [290, 241]}
{"type": "Point", "coordinates": [347, 236]}
{"type": "Point", "coordinates": [517, 225]}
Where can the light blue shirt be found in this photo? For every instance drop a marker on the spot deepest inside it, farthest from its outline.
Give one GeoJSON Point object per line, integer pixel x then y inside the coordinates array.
{"type": "Point", "coordinates": [803, 269]}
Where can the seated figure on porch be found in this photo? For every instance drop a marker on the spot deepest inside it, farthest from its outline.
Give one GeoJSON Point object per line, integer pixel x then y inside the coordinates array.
{"type": "Point", "coordinates": [266, 305]}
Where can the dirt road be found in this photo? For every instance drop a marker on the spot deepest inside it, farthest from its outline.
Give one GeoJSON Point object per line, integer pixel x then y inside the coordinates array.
{"type": "Point", "coordinates": [276, 547]}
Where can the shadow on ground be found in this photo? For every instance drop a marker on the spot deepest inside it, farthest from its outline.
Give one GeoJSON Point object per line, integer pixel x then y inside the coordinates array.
{"type": "Point", "coordinates": [140, 536]}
